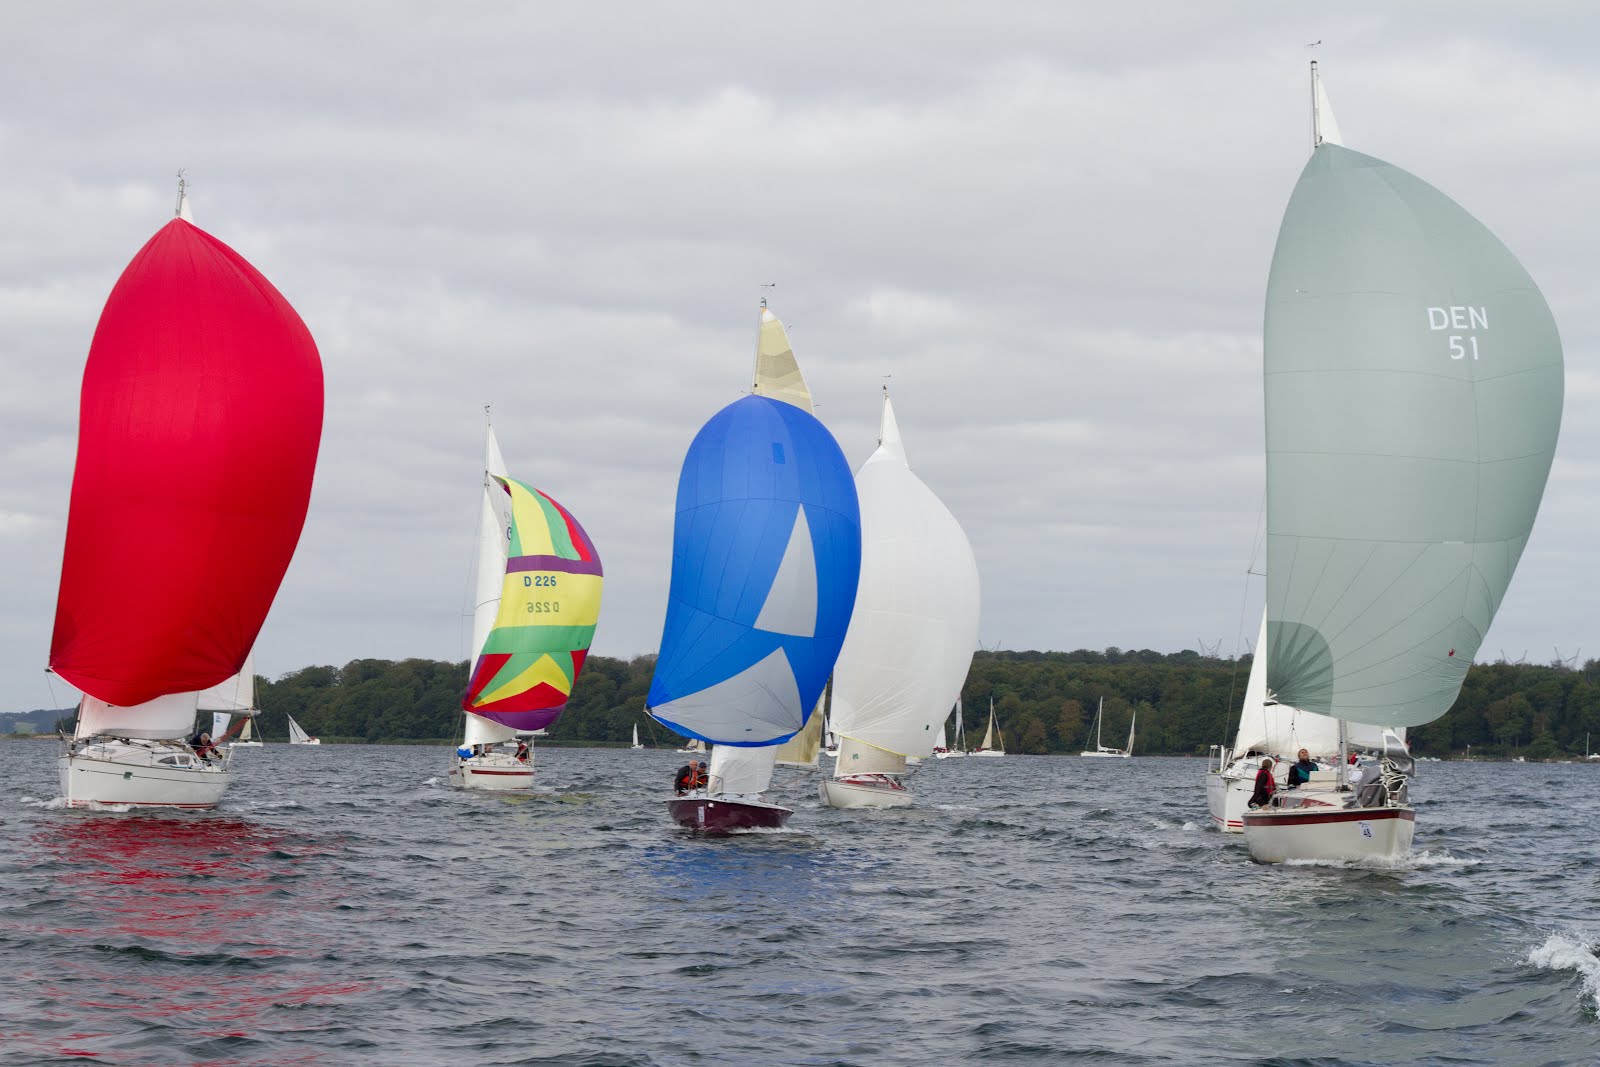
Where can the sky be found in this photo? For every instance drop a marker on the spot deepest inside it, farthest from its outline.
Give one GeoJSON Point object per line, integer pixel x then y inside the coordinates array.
{"type": "Point", "coordinates": [1046, 227]}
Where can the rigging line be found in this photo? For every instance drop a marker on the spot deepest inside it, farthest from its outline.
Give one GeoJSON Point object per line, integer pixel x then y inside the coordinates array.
{"type": "Point", "coordinates": [1257, 542]}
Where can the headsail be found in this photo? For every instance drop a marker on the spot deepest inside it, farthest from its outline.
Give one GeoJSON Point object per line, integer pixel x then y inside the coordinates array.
{"type": "Point", "coordinates": [1413, 398]}
{"type": "Point", "coordinates": [549, 606]}
{"type": "Point", "coordinates": [915, 624]}
{"type": "Point", "coordinates": [198, 432]}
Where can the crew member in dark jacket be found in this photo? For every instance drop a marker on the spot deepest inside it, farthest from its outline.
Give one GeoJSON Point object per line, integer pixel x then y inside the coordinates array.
{"type": "Point", "coordinates": [1300, 770]}
{"type": "Point", "coordinates": [1265, 786]}
{"type": "Point", "coordinates": [690, 777]}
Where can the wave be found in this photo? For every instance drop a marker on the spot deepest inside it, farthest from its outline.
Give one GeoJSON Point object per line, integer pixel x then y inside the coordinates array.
{"type": "Point", "coordinates": [53, 804]}
{"type": "Point", "coordinates": [1411, 861]}
{"type": "Point", "coordinates": [1561, 953]}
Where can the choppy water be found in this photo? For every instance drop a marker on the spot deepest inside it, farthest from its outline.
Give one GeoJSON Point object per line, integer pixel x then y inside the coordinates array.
{"type": "Point", "coordinates": [346, 906]}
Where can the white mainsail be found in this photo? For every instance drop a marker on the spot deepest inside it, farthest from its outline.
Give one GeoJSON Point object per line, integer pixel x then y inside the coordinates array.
{"type": "Point", "coordinates": [494, 543]}
{"type": "Point", "coordinates": [297, 734]}
{"type": "Point", "coordinates": [915, 623]}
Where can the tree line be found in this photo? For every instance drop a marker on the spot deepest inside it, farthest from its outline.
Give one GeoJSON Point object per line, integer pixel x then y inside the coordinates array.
{"type": "Point", "coordinates": [1044, 701]}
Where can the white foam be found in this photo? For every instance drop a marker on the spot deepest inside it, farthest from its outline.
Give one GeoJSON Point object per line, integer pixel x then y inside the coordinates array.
{"type": "Point", "coordinates": [53, 804]}
{"type": "Point", "coordinates": [1411, 861]}
{"type": "Point", "coordinates": [1191, 826]}
{"type": "Point", "coordinates": [1561, 953]}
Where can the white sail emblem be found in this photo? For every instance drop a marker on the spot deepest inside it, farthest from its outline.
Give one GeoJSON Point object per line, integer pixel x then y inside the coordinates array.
{"type": "Point", "coordinates": [791, 604]}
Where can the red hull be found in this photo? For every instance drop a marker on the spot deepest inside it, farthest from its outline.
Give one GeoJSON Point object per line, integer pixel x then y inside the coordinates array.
{"type": "Point", "coordinates": [723, 816]}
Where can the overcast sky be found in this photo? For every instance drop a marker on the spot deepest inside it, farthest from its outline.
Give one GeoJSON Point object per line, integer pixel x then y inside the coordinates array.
{"type": "Point", "coordinates": [1046, 226]}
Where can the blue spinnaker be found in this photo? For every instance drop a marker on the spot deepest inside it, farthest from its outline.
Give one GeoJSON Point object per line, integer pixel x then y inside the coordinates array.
{"type": "Point", "coordinates": [766, 553]}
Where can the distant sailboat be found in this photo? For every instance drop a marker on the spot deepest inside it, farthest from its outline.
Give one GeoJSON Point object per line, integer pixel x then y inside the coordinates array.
{"type": "Point", "coordinates": [959, 748]}
{"type": "Point", "coordinates": [298, 735]}
{"type": "Point", "coordinates": [1413, 400]}
{"type": "Point", "coordinates": [1099, 747]}
{"type": "Point", "coordinates": [539, 583]}
{"type": "Point", "coordinates": [766, 555]}
{"type": "Point", "coordinates": [912, 633]}
{"type": "Point", "coordinates": [636, 746]}
{"type": "Point", "coordinates": [197, 441]}
{"type": "Point", "coordinates": [230, 697]}
{"type": "Point", "coordinates": [994, 743]}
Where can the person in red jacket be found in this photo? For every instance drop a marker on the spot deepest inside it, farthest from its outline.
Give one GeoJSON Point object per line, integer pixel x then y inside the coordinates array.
{"type": "Point", "coordinates": [1265, 785]}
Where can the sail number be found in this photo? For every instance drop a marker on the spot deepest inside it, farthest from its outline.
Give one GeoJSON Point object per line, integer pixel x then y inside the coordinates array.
{"type": "Point", "coordinates": [543, 607]}
{"type": "Point", "coordinates": [530, 580]}
{"type": "Point", "coordinates": [1467, 319]}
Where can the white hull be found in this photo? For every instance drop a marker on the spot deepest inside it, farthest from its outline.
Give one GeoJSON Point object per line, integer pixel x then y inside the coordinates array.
{"type": "Point", "coordinates": [244, 744]}
{"type": "Point", "coordinates": [865, 791]}
{"type": "Point", "coordinates": [313, 741]}
{"type": "Point", "coordinates": [1227, 796]}
{"type": "Point", "coordinates": [1105, 755]}
{"type": "Point", "coordinates": [950, 755]}
{"type": "Point", "coordinates": [986, 752]}
{"type": "Point", "coordinates": [1330, 834]}
{"type": "Point", "coordinates": [499, 773]}
{"type": "Point", "coordinates": [141, 775]}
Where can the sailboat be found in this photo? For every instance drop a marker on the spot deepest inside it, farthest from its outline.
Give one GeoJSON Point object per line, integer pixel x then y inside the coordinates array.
{"type": "Point", "coordinates": [298, 735]}
{"type": "Point", "coordinates": [1269, 728]}
{"type": "Point", "coordinates": [1413, 400]}
{"type": "Point", "coordinates": [911, 636]}
{"type": "Point", "coordinates": [804, 749]}
{"type": "Point", "coordinates": [200, 418]}
{"type": "Point", "coordinates": [959, 748]}
{"type": "Point", "coordinates": [637, 745]}
{"type": "Point", "coordinates": [696, 747]}
{"type": "Point", "coordinates": [539, 582]}
{"type": "Point", "coordinates": [766, 552]}
{"type": "Point", "coordinates": [1099, 747]}
{"type": "Point", "coordinates": [994, 743]}
{"type": "Point", "coordinates": [233, 696]}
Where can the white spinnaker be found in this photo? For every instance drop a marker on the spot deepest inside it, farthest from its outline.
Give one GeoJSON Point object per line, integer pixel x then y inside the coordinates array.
{"type": "Point", "coordinates": [915, 623]}
{"type": "Point", "coordinates": [740, 770]}
{"type": "Point", "coordinates": [494, 543]}
{"type": "Point", "coordinates": [167, 716]}
{"type": "Point", "coordinates": [232, 694]}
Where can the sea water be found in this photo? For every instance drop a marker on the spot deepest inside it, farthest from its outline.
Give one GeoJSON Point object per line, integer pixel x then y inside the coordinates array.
{"type": "Point", "coordinates": [345, 905]}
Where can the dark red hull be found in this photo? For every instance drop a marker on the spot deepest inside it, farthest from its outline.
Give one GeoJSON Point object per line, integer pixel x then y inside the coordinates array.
{"type": "Point", "coordinates": [724, 816]}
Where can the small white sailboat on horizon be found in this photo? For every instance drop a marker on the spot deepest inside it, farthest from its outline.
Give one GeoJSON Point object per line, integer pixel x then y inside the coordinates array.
{"type": "Point", "coordinates": [637, 745]}
{"type": "Point", "coordinates": [958, 750]}
{"type": "Point", "coordinates": [994, 743]}
{"type": "Point", "coordinates": [298, 735]}
{"type": "Point", "coordinates": [1099, 746]}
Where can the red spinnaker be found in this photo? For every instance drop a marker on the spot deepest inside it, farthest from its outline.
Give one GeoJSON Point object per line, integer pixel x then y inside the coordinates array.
{"type": "Point", "coordinates": [197, 440]}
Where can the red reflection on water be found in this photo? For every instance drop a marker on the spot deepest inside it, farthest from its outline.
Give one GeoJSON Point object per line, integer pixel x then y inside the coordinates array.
{"type": "Point", "coordinates": [200, 920]}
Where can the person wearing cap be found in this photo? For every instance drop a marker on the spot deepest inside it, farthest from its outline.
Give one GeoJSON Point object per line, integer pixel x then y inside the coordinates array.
{"type": "Point", "coordinates": [1265, 785]}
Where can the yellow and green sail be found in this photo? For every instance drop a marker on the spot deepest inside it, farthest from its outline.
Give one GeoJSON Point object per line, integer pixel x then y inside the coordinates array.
{"type": "Point", "coordinates": [549, 605]}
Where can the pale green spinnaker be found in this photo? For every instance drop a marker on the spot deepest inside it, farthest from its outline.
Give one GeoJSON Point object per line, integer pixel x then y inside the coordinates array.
{"type": "Point", "coordinates": [1413, 400]}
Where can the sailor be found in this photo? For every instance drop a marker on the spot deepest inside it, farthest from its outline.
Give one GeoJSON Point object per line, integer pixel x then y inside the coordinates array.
{"type": "Point", "coordinates": [1265, 785]}
{"type": "Point", "coordinates": [201, 743]}
{"type": "Point", "coordinates": [1353, 772]}
{"type": "Point", "coordinates": [465, 751]}
{"type": "Point", "coordinates": [522, 751]}
{"type": "Point", "coordinates": [1300, 770]}
{"type": "Point", "coordinates": [690, 776]}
